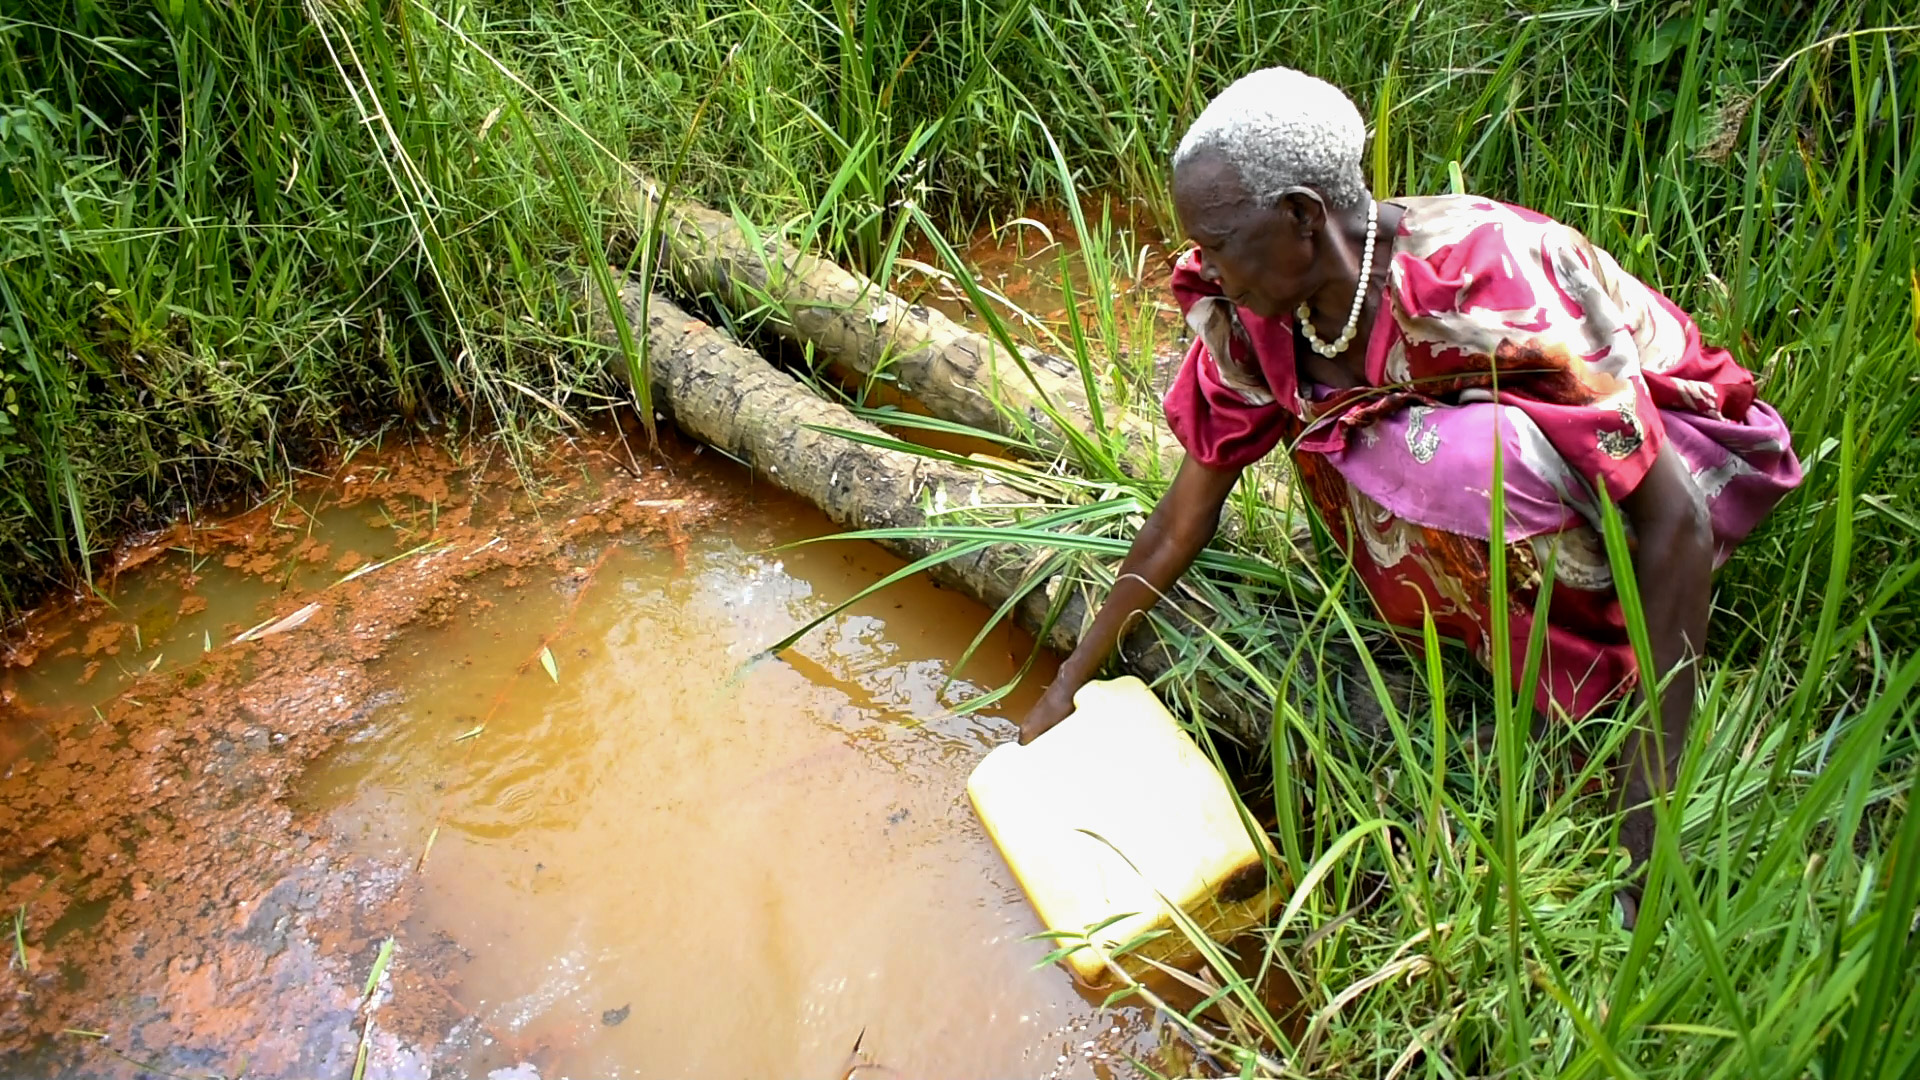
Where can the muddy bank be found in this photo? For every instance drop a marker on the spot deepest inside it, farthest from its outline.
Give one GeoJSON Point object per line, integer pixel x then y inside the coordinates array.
{"type": "Point", "coordinates": [173, 910]}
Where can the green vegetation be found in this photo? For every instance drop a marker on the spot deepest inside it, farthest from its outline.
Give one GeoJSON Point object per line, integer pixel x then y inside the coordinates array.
{"type": "Point", "coordinates": [233, 233]}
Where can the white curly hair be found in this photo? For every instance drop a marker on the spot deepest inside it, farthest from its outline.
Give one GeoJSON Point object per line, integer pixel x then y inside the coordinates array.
{"type": "Point", "coordinates": [1280, 128]}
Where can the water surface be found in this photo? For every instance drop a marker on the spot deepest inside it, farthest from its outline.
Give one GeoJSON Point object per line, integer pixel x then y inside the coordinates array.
{"type": "Point", "coordinates": [674, 860]}
{"type": "Point", "coordinates": [539, 746]}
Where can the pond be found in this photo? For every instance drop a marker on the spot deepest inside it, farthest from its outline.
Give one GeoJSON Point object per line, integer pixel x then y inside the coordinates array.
{"type": "Point", "coordinates": [534, 743]}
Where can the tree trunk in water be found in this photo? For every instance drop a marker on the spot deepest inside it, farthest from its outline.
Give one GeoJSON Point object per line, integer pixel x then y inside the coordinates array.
{"type": "Point", "coordinates": [734, 400]}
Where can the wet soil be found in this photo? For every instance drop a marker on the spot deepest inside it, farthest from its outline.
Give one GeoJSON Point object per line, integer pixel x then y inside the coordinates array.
{"type": "Point", "coordinates": [166, 904]}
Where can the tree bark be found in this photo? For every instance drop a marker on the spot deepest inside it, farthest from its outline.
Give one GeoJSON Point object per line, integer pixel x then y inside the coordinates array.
{"type": "Point", "coordinates": [956, 373]}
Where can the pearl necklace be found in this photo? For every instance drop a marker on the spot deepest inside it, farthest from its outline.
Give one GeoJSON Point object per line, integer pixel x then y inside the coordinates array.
{"type": "Point", "coordinates": [1305, 314]}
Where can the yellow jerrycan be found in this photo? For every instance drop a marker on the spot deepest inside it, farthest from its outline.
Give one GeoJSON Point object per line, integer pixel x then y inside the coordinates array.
{"type": "Point", "coordinates": [1113, 809]}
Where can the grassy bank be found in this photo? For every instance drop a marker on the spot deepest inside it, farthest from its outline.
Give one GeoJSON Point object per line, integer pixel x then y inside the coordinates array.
{"type": "Point", "coordinates": [232, 234]}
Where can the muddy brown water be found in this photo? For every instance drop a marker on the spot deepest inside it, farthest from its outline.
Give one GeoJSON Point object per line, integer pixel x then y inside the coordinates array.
{"type": "Point", "coordinates": [670, 856]}
{"type": "Point", "coordinates": [1020, 263]}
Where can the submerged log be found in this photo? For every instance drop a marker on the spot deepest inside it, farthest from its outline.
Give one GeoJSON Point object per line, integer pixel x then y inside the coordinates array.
{"type": "Point", "coordinates": [956, 373]}
{"type": "Point", "coordinates": [733, 399]}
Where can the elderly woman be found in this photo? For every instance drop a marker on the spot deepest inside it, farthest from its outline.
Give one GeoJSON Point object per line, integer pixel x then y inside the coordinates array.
{"type": "Point", "coordinates": [1388, 345]}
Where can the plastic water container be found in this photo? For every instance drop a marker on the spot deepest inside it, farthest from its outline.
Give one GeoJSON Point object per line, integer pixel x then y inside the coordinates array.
{"type": "Point", "coordinates": [1112, 809]}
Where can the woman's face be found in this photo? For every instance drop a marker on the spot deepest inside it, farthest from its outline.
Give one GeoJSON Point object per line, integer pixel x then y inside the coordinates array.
{"type": "Point", "coordinates": [1262, 257]}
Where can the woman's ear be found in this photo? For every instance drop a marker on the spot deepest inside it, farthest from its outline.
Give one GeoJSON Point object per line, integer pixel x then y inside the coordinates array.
{"type": "Point", "coordinates": [1305, 208]}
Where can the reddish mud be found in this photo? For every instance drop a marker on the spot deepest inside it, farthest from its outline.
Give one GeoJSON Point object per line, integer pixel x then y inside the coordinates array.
{"type": "Point", "coordinates": [164, 905]}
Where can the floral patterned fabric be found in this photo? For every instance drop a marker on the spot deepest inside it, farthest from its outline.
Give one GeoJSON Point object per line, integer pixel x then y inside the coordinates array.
{"type": "Point", "coordinates": [1499, 324]}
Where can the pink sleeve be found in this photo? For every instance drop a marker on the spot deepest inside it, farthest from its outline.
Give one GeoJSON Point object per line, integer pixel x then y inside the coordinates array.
{"type": "Point", "coordinates": [1218, 425]}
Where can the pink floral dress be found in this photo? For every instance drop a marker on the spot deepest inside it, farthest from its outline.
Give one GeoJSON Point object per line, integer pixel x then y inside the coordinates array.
{"type": "Point", "coordinates": [1503, 324]}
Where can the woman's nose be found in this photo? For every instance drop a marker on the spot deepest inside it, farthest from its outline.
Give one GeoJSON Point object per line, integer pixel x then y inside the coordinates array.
{"type": "Point", "coordinates": [1208, 271]}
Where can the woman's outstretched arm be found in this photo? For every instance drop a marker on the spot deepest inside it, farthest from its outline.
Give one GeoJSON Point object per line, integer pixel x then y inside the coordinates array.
{"type": "Point", "coordinates": [1174, 535]}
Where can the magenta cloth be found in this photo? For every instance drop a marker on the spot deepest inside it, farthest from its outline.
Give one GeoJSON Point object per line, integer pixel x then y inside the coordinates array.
{"type": "Point", "coordinates": [1502, 320]}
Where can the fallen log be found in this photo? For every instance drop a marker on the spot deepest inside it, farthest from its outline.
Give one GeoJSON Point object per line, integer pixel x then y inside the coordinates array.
{"type": "Point", "coordinates": [956, 373]}
{"type": "Point", "coordinates": [733, 399]}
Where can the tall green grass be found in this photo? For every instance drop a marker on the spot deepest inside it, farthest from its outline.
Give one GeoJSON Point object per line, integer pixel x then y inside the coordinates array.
{"type": "Point", "coordinates": [233, 233]}
{"type": "Point", "coordinates": [1782, 944]}
{"type": "Point", "coordinates": [1455, 914]}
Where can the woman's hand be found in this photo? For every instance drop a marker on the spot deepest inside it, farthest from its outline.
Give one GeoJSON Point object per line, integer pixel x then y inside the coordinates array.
{"type": "Point", "coordinates": [1174, 535]}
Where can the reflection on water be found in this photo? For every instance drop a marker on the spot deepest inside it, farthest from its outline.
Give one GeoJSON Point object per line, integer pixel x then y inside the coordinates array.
{"type": "Point", "coordinates": [668, 861]}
